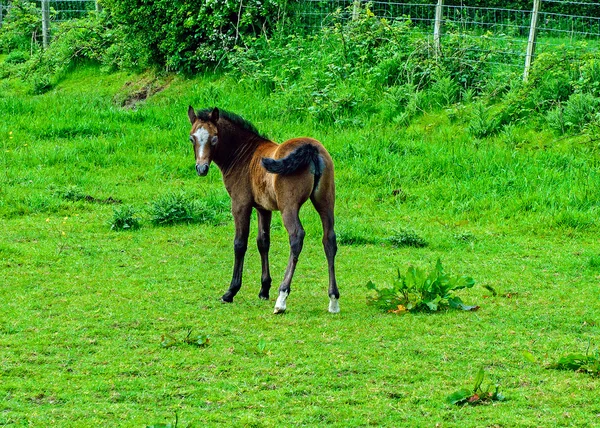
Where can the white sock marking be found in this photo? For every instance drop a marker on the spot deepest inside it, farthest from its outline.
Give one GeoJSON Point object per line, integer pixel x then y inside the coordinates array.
{"type": "Point", "coordinates": [334, 305]}
{"type": "Point", "coordinates": [280, 304]}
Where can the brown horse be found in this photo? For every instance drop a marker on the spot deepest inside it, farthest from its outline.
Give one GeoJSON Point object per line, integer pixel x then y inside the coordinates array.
{"type": "Point", "coordinates": [268, 177]}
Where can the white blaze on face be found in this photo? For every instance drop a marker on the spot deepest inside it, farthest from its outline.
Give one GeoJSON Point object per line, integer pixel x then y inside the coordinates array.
{"type": "Point", "coordinates": [201, 136]}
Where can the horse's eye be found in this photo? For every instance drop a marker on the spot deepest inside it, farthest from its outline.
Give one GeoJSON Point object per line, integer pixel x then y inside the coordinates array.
{"type": "Point", "coordinates": [192, 139]}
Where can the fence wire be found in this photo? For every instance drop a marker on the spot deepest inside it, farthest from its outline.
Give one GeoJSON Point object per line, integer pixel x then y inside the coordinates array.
{"type": "Point", "coordinates": [60, 10]}
{"type": "Point", "coordinates": [64, 10]}
{"type": "Point", "coordinates": [560, 22]}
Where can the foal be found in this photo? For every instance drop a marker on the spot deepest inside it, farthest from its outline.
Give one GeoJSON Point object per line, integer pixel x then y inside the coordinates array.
{"type": "Point", "coordinates": [268, 177]}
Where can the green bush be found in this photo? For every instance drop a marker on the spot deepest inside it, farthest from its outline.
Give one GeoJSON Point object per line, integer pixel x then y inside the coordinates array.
{"type": "Point", "coordinates": [187, 36]}
{"type": "Point", "coordinates": [21, 28]}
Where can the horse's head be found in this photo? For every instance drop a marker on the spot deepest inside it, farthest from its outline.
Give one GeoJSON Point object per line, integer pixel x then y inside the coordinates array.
{"type": "Point", "coordinates": [204, 138]}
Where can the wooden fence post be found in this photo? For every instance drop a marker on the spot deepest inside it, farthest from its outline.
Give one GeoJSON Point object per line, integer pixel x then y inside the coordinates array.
{"type": "Point", "coordinates": [532, 37]}
{"type": "Point", "coordinates": [437, 27]}
{"type": "Point", "coordinates": [45, 22]}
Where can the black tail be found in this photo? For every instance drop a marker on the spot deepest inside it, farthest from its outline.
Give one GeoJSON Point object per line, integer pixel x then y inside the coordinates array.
{"type": "Point", "coordinates": [303, 156]}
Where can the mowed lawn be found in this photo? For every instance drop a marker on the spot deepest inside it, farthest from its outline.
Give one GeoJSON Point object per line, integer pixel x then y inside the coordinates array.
{"type": "Point", "coordinates": [93, 321]}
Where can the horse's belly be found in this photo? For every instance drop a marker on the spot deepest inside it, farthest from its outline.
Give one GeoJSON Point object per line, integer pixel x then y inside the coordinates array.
{"type": "Point", "coordinates": [265, 202]}
{"type": "Point", "coordinates": [264, 193]}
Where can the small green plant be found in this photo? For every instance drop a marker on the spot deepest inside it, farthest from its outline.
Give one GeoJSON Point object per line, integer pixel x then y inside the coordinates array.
{"type": "Point", "coordinates": [407, 238]}
{"type": "Point", "coordinates": [125, 218]}
{"type": "Point", "coordinates": [418, 291]}
{"type": "Point", "coordinates": [261, 347]}
{"type": "Point", "coordinates": [70, 193]}
{"type": "Point", "coordinates": [199, 340]}
{"type": "Point", "coordinates": [482, 124]}
{"type": "Point", "coordinates": [582, 363]}
{"type": "Point", "coordinates": [477, 395]}
{"type": "Point", "coordinates": [172, 209]}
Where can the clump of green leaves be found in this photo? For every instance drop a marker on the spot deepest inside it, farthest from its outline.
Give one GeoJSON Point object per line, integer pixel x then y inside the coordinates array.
{"type": "Point", "coordinates": [175, 208]}
{"type": "Point", "coordinates": [418, 290]}
{"type": "Point", "coordinates": [407, 238]}
{"type": "Point", "coordinates": [477, 395]}
{"type": "Point", "coordinates": [583, 363]}
{"type": "Point", "coordinates": [172, 209]}
{"type": "Point", "coordinates": [125, 218]}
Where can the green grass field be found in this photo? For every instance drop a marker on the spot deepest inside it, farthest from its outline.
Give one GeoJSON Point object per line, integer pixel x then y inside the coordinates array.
{"type": "Point", "coordinates": [92, 320]}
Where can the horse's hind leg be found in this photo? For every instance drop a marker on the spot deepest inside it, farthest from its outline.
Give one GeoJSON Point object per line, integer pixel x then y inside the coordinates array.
{"type": "Point", "coordinates": [325, 211]}
{"type": "Point", "coordinates": [263, 242]}
{"type": "Point", "coordinates": [296, 233]}
{"type": "Point", "coordinates": [241, 217]}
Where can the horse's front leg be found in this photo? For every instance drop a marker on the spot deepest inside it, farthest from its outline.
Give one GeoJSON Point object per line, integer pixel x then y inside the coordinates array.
{"type": "Point", "coordinates": [241, 217]}
{"type": "Point", "coordinates": [263, 242]}
{"type": "Point", "coordinates": [296, 233]}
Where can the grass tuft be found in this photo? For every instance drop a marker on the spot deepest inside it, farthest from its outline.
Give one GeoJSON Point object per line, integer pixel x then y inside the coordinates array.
{"type": "Point", "coordinates": [125, 218]}
{"type": "Point", "coordinates": [407, 238]}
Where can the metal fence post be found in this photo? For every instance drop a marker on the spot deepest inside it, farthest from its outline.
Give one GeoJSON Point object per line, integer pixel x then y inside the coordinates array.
{"type": "Point", "coordinates": [438, 26]}
{"type": "Point", "coordinates": [45, 22]}
{"type": "Point", "coordinates": [532, 36]}
{"type": "Point", "coordinates": [355, 10]}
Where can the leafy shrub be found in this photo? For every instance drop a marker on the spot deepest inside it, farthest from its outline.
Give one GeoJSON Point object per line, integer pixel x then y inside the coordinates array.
{"type": "Point", "coordinates": [575, 114]}
{"type": "Point", "coordinates": [125, 218]}
{"type": "Point", "coordinates": [419, 291]}
{"type": "Point", "coordinates": [16, 57]}
{"type": "Point", "coordinates": [186, 36]}
{"type": "Point", "coordinates": [21, 28]}
{"type": "Point", "coordinates": [407, 238]}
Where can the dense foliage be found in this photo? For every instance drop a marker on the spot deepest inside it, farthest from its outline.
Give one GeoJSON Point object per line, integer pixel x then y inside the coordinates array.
{"type": "Point", "coordinates": [360, 69]}
{"type": "Point", "coordinates": [185, 36]}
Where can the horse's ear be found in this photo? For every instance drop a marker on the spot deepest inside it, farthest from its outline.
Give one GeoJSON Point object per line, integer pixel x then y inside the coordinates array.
{"type": "Point", "coordinates": [214, 115]}
{"type": "Point", "coordinates": [192, 114]}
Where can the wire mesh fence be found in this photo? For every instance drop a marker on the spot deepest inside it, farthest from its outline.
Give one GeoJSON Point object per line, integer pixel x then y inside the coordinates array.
{"type": "Point", "coordinates": [68, 9]}
{"type": "Point", "coordinates": [478, 29]}
{"type": "Point", "coordinates": [60, 10]}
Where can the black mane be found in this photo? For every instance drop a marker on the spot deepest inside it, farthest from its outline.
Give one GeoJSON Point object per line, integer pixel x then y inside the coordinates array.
{"type": "Point", "coordinates": [235, 119]}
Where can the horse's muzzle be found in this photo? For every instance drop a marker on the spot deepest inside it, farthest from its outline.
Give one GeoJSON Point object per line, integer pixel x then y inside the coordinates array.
{"type": "Point", "coordinates": [202, 169]}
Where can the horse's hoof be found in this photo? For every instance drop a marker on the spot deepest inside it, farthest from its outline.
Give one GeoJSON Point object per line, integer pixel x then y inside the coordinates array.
{"type": "Point", "coordinates": [278, 310]}
{"type": "Point", "coordinates": [263, 297]}
{"type": "Point", "coordinates": [226, 299]}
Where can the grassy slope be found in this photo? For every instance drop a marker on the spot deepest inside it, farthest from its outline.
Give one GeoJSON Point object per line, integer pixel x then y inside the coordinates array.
{"type": "Point", "coordinates": [84, 308]}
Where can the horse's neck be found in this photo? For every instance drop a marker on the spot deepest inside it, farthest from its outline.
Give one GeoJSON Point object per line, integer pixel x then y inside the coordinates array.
{"type": "Point", "coordinates": [236, 150]}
